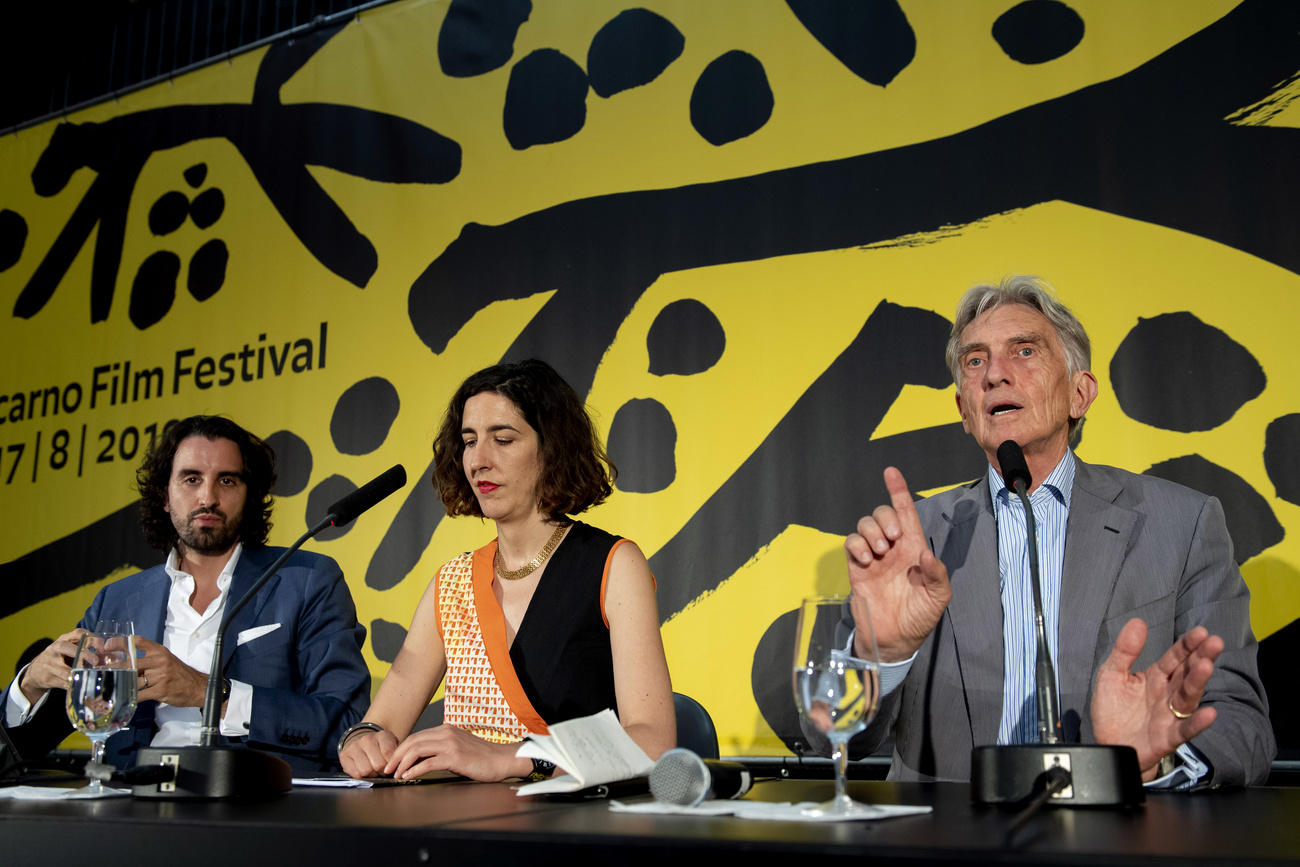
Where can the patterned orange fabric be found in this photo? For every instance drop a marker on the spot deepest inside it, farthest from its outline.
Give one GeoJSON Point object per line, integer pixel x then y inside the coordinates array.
{"type": "Point", "coordinates": [481, 693]}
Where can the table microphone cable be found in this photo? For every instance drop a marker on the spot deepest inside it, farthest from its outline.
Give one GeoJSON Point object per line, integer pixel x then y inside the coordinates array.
{"type": "Point", "coordinates": [1047, 784]}
{"type": "Point", "coordinates": [46, 772]}
{"type": "Point", "coordinates": [25, 773]}
{"type": "Point", "coordinates": [146, 775]}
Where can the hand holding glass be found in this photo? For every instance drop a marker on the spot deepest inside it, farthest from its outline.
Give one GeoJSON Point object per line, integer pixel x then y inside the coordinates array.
{"type": "Point", "coordinates": [835, 690]}
{"type": "Point", "coordinates": [102, 686]}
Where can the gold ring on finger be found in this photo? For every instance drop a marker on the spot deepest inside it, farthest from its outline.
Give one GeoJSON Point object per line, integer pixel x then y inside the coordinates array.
{"type": "Point", "coordinates": [1176, 712]}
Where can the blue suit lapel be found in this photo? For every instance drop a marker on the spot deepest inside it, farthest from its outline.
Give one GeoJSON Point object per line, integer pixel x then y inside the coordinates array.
{"type": "Point", "coordinates": [252, 562]}
{"type": "Point", "coordinates": [967, 544]}
{"type": "Point", "coordinates": [152, 605]}
{"type": "Point", "coordinates": [146, 606]}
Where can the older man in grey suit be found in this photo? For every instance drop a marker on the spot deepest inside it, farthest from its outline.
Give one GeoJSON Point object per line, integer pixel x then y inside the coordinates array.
{"type": "Point", "coordinates": [1147, 613]}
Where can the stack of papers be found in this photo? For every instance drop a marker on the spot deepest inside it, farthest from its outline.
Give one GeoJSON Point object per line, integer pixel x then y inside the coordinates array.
{"type": "Point", "coordinates": [593, 749]}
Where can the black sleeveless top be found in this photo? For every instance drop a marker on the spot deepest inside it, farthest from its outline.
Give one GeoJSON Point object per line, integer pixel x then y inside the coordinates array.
{"type": "Point", "coordinates": [561, 651]}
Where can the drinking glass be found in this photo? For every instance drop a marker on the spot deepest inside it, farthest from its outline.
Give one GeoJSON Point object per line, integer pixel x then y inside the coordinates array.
{"type": "Point", "coordinates": [837, 690]}
{"type": "Point", "coordinates": [102, 687]}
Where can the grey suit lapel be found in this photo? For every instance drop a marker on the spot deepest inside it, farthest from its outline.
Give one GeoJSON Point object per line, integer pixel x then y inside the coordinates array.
{"type": "Point", "coordinates": [1098, 537]}
{"type": "Point", "coordinates": [969, 549]}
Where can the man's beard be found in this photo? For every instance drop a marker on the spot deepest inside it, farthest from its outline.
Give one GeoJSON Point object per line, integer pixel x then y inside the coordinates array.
{"type": "Point", "coordinates": [208, 540]}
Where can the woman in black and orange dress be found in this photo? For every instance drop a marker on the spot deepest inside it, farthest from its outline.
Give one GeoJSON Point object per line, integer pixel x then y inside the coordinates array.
{"type": "Point", "coordinates": [553, 620]}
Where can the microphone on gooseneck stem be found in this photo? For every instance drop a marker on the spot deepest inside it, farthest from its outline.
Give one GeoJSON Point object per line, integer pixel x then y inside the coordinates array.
{"type": "Point", "coordinates": [1015, 472]}
{"type": "Point", "coordinates": [1049, 771]}
{"type": "Point", "coordinates": [1011, 460]}
{"type": "Point", "coordinates": [348, 508]}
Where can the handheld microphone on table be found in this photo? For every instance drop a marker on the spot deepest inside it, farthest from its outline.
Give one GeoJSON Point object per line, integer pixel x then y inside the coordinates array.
{"type": "Point", "coordinates": [1049, 771]}
{"type": "Point", "coordinates": [211, 771]}
{"type": "Point", "coordinates": [681, 777]}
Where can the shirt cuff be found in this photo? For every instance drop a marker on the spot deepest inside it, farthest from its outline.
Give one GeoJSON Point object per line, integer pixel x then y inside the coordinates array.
{"type": "Point", "coordinates": [1192, 769]}
{"type": "Point", "coordinates": [18, 710]}
{"type": "Point", "coordinates": [238, 718]}
{"type": "Point", "coordinates": [894, 673]}
{"type": "Point", "coordinates": [891, 673]}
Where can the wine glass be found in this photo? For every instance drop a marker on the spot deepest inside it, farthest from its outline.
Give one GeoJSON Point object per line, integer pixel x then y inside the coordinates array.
{"type": "Point", "coordinates": [837, 691]}
{"type": "Point", "coordinates": [102, 687]}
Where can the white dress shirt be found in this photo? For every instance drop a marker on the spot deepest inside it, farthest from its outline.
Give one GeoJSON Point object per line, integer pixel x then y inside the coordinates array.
{"type": "Point", "coordinates": [191, 636]}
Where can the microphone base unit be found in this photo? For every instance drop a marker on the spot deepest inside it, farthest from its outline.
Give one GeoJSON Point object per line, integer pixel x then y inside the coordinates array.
{"type": "Point", "coordinates": [214, 773]}
{"type": "Point", "coordinates": [1100, 775]}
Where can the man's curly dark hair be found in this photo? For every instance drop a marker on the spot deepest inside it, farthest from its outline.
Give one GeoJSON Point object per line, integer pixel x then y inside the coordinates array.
{"type": "Point", "coordinates": [154, 475]}
{"type": "Point", "coordinates": [576, 473]}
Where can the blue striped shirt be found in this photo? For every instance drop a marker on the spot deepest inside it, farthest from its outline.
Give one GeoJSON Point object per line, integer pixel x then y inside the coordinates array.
{"type": "Point", "coordinates": [1051, 504]}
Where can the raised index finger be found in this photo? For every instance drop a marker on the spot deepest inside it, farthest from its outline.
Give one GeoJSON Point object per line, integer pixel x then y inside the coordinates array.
{"type": "Point", "coordinates": [901, 499]}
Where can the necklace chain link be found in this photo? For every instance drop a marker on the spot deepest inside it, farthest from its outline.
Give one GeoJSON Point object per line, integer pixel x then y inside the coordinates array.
{"type": "Point", "coordinates": [534, 564]}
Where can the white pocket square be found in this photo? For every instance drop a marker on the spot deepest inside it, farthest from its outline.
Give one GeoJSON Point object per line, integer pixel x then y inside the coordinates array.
{"type": "Point", "coordinates": [256, 632]}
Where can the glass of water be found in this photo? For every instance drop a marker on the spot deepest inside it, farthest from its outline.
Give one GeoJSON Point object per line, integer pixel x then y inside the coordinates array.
{"type": "Point", "coordinates": [836, 689]}
{"type": "Point", "coordinates": [102, 686]}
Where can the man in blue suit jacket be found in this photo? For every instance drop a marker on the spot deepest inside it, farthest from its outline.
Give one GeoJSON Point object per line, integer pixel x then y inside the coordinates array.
{"type": "Point", "coordinates": [295, 677]}
{"type": "Point", "coordinates": [1150, 614]}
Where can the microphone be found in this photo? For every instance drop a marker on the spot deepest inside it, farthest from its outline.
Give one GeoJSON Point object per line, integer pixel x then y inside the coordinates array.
{"type": "Point", "coordinates": [681, 777]}
{"type": "Point", "coordinates": [1011, 460]}
{"type": "Point", "coordinates": [1048, 771]}
{"type": "Point", "coordinates": [209, 771]}
{"type": "Point", "coordinates": [350, 507]}
{"type": "Point", "coordinates": [1015, 472]}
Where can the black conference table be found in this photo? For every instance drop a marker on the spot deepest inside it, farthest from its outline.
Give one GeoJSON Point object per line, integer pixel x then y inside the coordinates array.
{"type": "Point", "coordinates": [474, 823]}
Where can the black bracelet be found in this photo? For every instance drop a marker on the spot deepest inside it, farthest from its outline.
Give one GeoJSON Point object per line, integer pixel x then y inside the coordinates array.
{"type": "Point", "coordinates": [542, 770]}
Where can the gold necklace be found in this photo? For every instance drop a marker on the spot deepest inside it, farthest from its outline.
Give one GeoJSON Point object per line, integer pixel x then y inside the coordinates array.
{"type": "Point", "coordinates": [534, 564]}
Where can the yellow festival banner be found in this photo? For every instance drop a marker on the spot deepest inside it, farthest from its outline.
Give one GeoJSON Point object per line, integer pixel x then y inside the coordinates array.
{"type": "Point", "coordinates": [738, 227]}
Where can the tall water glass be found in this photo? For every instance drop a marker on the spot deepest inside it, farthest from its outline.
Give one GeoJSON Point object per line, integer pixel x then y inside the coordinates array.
{"type": "Point", "coordinates": [836, 688]}
{"type": "Point", "coordinates": [102, 686]}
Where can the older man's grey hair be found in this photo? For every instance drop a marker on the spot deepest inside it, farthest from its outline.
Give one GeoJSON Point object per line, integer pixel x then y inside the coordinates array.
{"type": "Point", "coordinates": [1033, 292]}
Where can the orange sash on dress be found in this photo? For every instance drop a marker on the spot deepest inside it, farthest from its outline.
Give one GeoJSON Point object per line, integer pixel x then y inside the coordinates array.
{"type": "Point", "coordinates": [481, 692]}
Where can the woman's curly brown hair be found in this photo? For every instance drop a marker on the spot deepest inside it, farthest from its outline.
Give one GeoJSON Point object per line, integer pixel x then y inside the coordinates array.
{"type": "Point", "coordinates": [154, 475]}
{"type": "Point", "coordinates": [575, 472]}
